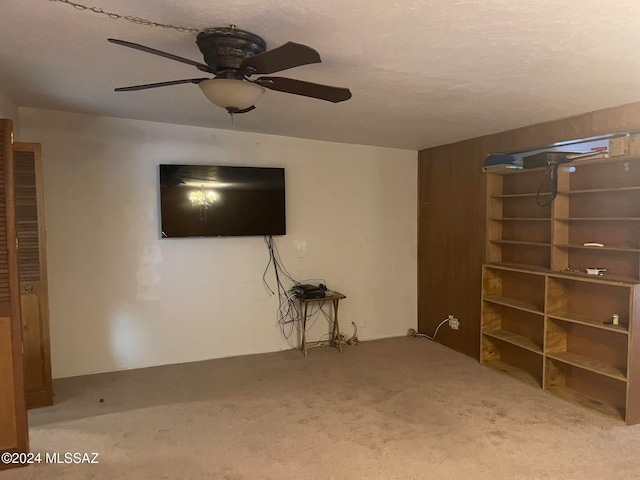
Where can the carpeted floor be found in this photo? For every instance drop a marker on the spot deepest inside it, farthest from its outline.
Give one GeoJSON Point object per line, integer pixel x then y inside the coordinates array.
{"type": "Point", "coordinates": [403, 408]}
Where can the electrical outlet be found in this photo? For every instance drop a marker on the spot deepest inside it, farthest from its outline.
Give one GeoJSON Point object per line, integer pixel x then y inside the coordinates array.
{"type": "Point", "coordinates": [454, 323]}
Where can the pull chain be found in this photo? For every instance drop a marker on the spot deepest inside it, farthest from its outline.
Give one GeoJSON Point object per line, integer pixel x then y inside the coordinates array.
{"type": "Point", "coordinates": [129, 18]}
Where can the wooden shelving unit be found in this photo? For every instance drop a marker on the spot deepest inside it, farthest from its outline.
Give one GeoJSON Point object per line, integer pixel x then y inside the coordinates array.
{"type": "Point", "coordinates": [546, 321]}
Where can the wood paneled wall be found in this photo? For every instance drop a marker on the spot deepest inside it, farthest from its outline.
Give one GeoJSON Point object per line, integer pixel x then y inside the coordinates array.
{"type": "Point", "coordinates": [451, 217]}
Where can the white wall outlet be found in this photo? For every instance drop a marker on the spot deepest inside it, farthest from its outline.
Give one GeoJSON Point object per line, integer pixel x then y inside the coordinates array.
{"type": "Point", "coordinates": [454, 323]}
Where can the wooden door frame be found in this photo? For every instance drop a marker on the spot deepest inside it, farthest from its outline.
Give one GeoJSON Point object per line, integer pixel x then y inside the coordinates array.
{"type": "Point", "coordinates": [16, 383]}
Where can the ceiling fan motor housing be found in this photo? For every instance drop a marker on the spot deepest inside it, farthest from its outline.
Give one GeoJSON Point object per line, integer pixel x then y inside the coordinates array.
{"type": "Point", "coordinates": [224, 50]}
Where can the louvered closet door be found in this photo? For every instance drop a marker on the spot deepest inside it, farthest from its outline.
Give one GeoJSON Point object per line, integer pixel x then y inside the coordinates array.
{"type": "Point", "coordinates": [27, 166]}
{"type": "Point", "coordinates": [13, 417]}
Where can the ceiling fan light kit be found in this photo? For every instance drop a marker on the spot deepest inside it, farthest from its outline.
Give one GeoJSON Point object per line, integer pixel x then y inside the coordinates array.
{"type": "Point", "coordinates": [232, 56]}
{"type": "Point", "coordinates": [231, 94]}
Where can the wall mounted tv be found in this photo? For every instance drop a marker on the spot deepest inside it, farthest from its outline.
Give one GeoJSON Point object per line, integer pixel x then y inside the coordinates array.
{"type": "Point", "coordinates": [221, 201]}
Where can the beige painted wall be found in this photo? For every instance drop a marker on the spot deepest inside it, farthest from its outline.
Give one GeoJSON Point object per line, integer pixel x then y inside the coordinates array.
{"type": "Point", "coordinates": [121, 297]}
{"type": "Point", "coordinates": [8, 109]}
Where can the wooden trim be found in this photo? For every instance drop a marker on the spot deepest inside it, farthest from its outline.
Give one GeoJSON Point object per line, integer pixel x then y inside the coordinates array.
{"type": "Point", "coordinates": [633, 366]}
{"type": "Point", "coordinates": [14, 287]}
{"type": "Point", "coordinates": [17, 382]}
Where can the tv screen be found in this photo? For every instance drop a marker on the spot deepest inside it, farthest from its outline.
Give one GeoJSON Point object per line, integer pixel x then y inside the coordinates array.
{"type": "Point", "coordinates": [221, 201]}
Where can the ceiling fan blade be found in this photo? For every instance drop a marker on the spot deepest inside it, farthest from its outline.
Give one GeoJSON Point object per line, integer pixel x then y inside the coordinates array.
{"type": "Point", "coordinates": [136, 46]}
{"type": "Point", "coordinates": [159, 84]}
{"type": "Point", "coordinates": [307, 89]}
{"type": "Point", "coordinates": [284, 57]}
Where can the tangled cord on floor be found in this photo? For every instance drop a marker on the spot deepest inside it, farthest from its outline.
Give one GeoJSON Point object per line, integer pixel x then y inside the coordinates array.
{"type": "Point", "coordinates": [352, 340]}
{"type": "Point", "coordinates": [339, 340]}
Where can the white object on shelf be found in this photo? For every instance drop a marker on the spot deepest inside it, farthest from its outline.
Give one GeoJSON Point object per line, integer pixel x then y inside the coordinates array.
{"type": "Point", "coordinates": [596, 271]}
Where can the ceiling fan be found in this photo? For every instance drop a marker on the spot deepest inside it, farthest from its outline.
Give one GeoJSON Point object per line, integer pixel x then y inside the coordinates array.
{"type": "Point", "coordinates": [232, 56]}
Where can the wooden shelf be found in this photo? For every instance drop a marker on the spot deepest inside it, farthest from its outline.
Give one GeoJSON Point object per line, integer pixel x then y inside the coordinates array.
{"type": "Point", "coordinates": [522, 243]}
{"type": "Point", "coordinates": [542, 316]}
{"type": "Point", "coordinates": [586, 401]}
{"type": "Point", "coordinates": [590, 364]}
{"type": "Point", "coordinates": [599, 279]}
{"type": "Point", "coordinates": [598, 219]}
{"type": "Point", "coordinates": [600, 190]}
{"type": "Point", "coordinates": [588, 321]}
{"type": "Point", "coordinates": [515, 339]}
{"type": "Point", "coordinates": [518, 267]}
{"type": "Point", "coordinates": [606, 248]}
{"type": "Point", "coordinates": [513, 371]}
{"type": "Point", "coordinates": [514, 303]}
{"type": "Point", "coordinates": [520, 219]}
{"type": "Point", "coordinates": [522, 195]}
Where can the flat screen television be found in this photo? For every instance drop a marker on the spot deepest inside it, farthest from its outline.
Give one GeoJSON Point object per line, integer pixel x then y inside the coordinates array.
{"type": "Point", "coordinates": [221, 201]}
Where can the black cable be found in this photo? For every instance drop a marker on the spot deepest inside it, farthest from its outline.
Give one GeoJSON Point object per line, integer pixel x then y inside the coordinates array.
{"type": "Point", "coordinates": [288, 312]}
{"type": "Point", "coordinates": [277, 257]}
{"type": "Point", "coordinates": [552, 174]}
{"type": "Point", "coordinates": [264, 274]}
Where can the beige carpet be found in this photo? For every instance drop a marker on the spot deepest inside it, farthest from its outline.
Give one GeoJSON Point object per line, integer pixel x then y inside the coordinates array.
{"type": "Point", "coordinates": [403, 408]}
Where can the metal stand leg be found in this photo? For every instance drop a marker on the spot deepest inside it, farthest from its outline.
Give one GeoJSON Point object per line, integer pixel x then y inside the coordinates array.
{"type": "Point", "coordinates": [303, 347]}
{"type": "Point", "coordinates": [336, 325]}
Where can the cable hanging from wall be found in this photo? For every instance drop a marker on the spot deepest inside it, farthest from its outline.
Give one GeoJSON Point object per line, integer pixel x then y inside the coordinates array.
{"type": "Point", "coordinates": [288, 311]}
{"type": "Point", "coordinates": [288, 314]}
{"type": "Point", "coordinates": [550, 176]}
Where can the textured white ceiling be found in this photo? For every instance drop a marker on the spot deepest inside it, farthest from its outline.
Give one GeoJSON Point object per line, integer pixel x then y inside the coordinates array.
{"type": "Point", "coordinates": [422, 72]}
